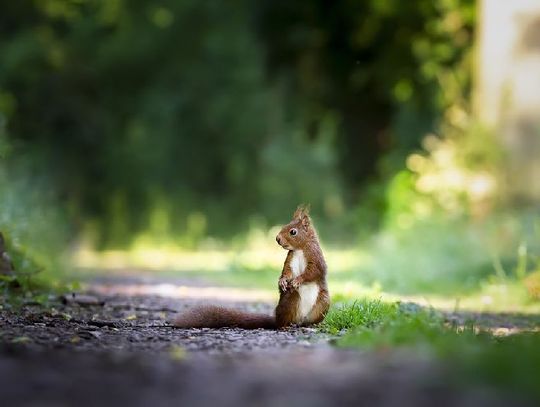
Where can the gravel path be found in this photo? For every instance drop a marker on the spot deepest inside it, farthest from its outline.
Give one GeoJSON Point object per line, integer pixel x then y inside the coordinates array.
{"type": "Point", "coordinates": [120, 350]}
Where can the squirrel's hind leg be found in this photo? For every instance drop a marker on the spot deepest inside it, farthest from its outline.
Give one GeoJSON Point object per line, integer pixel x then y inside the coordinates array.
{"type": "Point", "coordinates": [287, 309]}
{"type": "Point", "coordinates": [319, 310]}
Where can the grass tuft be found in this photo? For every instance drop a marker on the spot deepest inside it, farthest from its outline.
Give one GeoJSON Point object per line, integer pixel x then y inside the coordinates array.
{"type": "Point", "coordinates": [360, 313]}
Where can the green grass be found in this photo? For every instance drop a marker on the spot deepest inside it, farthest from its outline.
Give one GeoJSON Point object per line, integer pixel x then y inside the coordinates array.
{"type": "Point", "coordinates": [360, 313]}
{"type": "Point", "coordinates": [473, 356]}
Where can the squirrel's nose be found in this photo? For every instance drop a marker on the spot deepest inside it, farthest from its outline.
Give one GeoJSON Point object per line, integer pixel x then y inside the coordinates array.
{"type": "Point", "coordinates": [278, 240]}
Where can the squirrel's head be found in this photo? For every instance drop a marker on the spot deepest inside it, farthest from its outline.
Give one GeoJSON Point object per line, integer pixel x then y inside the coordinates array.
{"type": "Point", "coordinates": [298, 232]}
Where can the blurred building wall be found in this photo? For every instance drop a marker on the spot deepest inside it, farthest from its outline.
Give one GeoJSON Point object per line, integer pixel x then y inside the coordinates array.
{"type": "Point", "coordinates": [508, 94]}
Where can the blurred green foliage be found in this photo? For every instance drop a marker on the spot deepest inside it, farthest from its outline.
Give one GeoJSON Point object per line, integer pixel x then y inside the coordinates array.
{"type": "Point", "coordinates": [196, 118]}
{"type": "Point", "coordinates": [386, 70]}
{"type": "Point", "coordinates": [34, 230]}
{"type": "Point", "coordinates": [173, 123]}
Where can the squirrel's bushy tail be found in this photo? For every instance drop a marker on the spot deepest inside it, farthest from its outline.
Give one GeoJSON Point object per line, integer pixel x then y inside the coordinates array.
{"type": "Point", "coordinates": [219, 317]}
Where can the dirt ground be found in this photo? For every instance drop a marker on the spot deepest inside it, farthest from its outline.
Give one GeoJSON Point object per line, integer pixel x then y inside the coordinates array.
{"type": "Point", "coordinates": [118, 348]}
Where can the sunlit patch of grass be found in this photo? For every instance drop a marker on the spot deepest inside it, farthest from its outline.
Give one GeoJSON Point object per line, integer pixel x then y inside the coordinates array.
{"type": "Point", "coordinates": [492, 296]}
{"type": "Point", "coordinates": [359, 313]}
{"type": "Point", "coordinates": [170, 257]}
{"type": "Point", "coordinates": [252, 267]}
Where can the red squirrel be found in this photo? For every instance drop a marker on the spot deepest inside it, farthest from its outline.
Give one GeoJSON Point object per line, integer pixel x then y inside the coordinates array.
{"type": "Point", "coordinates": [304, 298]}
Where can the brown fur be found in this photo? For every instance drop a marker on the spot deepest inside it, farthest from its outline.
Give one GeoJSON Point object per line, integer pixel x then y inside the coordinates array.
{"type": "Point", "coordinates": [319, 310]}
{"type": "Point", "coordinates": [286, 310]}
{"type": "Point", "coordinates": [218, 317]}
{"type": "Point", "coordinates": [305, 239]}
{"type": "Point", "coordinates": [286, 313]}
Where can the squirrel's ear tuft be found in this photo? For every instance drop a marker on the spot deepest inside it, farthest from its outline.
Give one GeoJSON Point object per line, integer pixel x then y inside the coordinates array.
{"type": "Point", "coordinates": [302, 213]}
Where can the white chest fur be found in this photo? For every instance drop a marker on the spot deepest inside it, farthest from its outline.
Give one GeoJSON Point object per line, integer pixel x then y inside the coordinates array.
{"type": "Point", "coordinates": [308, 295]}
{"type": "Point", "coordinates": [308, 292]}
{"type": "Point", "coordinates": [298, 263]}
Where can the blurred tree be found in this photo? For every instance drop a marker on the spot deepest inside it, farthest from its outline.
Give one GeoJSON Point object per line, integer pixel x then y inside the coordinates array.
{"type": "Point", "coordinates": [135, 105]}
{"type": "Point", "coordinates": [158, 116]}
{"type": "Point", "coordinates": [382, 66]}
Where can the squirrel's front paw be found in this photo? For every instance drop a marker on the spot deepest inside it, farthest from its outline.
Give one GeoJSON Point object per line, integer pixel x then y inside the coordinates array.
{"type": "Point", "coordinates": [294, 284]}
{"type": "Point", "coordinates": [283, 284]}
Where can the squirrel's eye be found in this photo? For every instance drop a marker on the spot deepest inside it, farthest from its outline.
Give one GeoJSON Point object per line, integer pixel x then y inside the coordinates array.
{"type": "Point", "coordinates": [293, 232]}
